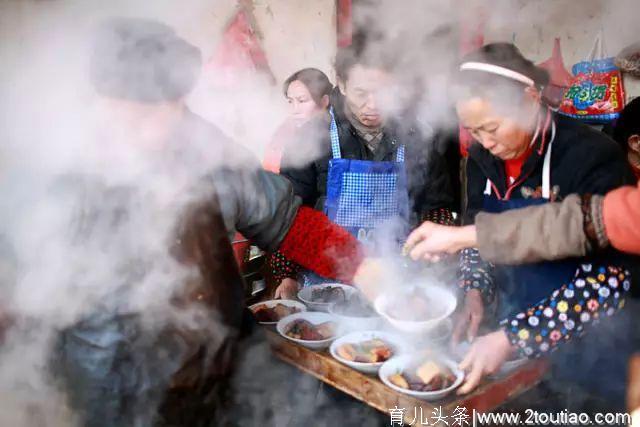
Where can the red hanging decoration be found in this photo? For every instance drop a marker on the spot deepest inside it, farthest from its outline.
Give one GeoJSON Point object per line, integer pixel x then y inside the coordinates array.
{"type": "Point", "coordinates": [240, 50]}
{"type": "Point", "coordinates": [560, 78]}
{"type": "Point", "coordinates": [344, 22]}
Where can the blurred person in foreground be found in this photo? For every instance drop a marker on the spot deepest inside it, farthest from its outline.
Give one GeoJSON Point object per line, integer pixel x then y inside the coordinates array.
{"type": "Point", "coordinates": [116, 365]}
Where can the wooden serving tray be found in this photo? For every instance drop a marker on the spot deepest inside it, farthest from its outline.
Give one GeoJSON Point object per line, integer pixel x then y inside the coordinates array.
{"type": "Point", "coordinates": [370, 390]}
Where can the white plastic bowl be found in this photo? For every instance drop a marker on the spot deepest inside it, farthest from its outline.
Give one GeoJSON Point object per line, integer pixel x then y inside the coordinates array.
{"type": "Point", "coordinates": [397, 365]}
{"type": "Point", "coordinates": [305, 293]}
{"type": "Point", "coordinates": [398, 346]}
{"type": "Point", "coordinates": [439, 295]}
{"type": "Point", "coordinates": [313, 317]}
{"type": "Point", "coordinates": [272, 303]}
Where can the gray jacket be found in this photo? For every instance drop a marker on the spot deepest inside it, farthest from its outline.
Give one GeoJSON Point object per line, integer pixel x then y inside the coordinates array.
{"type": "Point", "coordinates": [259, 204]}
{"type": "Point", "coordinates": [538, 233]}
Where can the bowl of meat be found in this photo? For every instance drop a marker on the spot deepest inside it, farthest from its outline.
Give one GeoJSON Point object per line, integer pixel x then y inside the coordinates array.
{"type": "Point", "coordinates": [423, 376]}
{"type": "Point", "coordinates": [270, 312]}
{"type": "Point", "coordinates": [416, 309]}
{"type": "Point", "coordinates": [356, 313]}
{"type": "Point", "coordinates": [313, 330]}
{"type": "Point", "coordinates": [320, 297]}
{"type": "Point", "coordinates": [366, 351]}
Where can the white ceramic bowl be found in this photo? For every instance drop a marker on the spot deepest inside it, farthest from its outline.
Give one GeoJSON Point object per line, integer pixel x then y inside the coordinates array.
{"type": "Point", "coordinates": [436, 337]}
{"type": "Point", "coordinates": [441, 296]}
{"type": "Point", "coordinates": [354, 323]}
{"type": "Point", "coordinates": [398, 346]}
{"type": "Point", "coordinates": [305, 293]}
{"type": "Point", "coordinates": [272, 303]}
{"type": "Point", "coordinates": [397, 365]}
{"type": "Point", "coordinates": [313, 317]}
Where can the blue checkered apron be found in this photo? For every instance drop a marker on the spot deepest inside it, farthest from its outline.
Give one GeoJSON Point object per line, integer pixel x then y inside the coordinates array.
{"type": "Point", "coordinates": [363, 195]}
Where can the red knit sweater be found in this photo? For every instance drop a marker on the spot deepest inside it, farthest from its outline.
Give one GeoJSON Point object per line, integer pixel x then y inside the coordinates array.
{"type": "Point", "coordinates": [317, 244]}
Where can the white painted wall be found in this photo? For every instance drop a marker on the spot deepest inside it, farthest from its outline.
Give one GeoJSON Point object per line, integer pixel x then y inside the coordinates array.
{"type": "Point", "coordinates": [533, 25]}
{"type": "Point", "coordinates": [296, 34]}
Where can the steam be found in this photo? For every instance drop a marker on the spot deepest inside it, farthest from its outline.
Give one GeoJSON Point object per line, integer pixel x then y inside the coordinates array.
{"type": "Point", "coordinates": [62, 159]}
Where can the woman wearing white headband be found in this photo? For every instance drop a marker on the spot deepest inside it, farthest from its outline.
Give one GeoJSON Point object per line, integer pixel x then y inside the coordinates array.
{"type": "Point", "coordinates": [526, 155]}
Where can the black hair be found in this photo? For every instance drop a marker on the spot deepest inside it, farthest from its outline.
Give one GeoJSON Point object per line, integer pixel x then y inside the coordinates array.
{"type": "Point", "coordinates": [367, 49]}
{"type": "Point", "coordinates": [628, 124]}
{"type": "Point", "coordinates": [488, 85]}
{"type": "Point", "coordinates": [142, 60]}
{"type": "Point", "coordinates": [315, 80]}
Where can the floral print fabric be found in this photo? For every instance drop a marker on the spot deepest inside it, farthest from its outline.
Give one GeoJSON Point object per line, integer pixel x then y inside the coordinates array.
{"type": "Point", "coordinates": [593, 293]}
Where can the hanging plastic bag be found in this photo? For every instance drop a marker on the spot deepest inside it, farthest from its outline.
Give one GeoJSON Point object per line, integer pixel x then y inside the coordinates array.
{"type": "Point", "coordinates": [560, 78]}
{"type": "Point", "coordinates": [596, 94]}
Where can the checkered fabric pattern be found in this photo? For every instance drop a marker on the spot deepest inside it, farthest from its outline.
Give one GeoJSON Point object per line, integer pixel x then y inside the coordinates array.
{"type": "Point", "coordinates": [367, 199]}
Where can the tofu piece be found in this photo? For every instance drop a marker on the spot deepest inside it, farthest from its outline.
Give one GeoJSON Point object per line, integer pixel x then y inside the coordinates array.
{"type": "Point", "coordinates": [428, 371]}
{"type": "Point", "coordinates": [347, 352]}
{"type": "Point", "coordinates": [398, 380]}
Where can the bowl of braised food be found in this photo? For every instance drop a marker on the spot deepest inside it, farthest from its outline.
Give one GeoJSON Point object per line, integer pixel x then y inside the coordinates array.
{"type": "Point", "coordinates": [417, 309]}
{"type": "Point", "coordinates": [423, 376]}
{"type": "Point", "coordinates": [314, 330]}
{"type": "Point", "coordinates": [270, 312]}
{"type": "Point", "coordinates": [321, 297]}
{"type": "Point", "coordinates": [366, 351]}
{"type": "Point", "coordinates": [356, 313]}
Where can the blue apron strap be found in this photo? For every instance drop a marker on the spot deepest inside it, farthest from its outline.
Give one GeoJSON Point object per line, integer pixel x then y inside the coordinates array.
{"type": "Point", "coordinates": [333, 134]}
{"type": "Point", "coordinates": [400, 154]}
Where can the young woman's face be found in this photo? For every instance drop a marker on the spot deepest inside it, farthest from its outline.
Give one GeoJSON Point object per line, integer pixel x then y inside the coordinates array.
{"type": "Point", "coordinates": [506, 136]}
{"type": "Point", "coordinates": [301, 104]}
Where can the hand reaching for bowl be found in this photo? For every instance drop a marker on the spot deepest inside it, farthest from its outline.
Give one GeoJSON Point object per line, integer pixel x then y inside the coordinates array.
{"type": "Point", "coordinates": [287, 289]}
{"type": "Point", "coordinates": [485, 357]}
{"type": "Point", "coordinates": [430, 240]}
{"type": "Point", "coordinates": [371, 274]}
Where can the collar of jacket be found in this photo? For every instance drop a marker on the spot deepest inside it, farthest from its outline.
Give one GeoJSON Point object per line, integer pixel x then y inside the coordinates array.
{"type": "Point", "coordinates": [493, 167]}
{"type": "Point", "coordinates": [390, 132]}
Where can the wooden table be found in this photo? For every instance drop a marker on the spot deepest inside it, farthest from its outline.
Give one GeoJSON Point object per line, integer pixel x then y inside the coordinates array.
{"type": "Point", "coordinates": [373, 392]}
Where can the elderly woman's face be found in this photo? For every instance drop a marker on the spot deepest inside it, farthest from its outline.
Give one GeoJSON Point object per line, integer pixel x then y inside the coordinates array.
{"type": "Point", "coordinates": [504, 134]}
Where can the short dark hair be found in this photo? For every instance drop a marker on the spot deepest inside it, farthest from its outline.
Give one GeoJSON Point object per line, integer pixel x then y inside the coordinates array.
{"type": "Point", "coordinates": [488, 85]}
{"type": "Point", "coordinates": [315, 81]}
{"type": "Point", "coordinates": [142, 60]}
{"type": "Point", "coordinates": [628, 124]}
{"type": "Point", "coordinates": [367, 49]}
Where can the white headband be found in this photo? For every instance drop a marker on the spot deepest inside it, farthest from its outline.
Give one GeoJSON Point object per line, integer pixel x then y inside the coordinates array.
{"type": "Point", "coordinates": [496, 69]}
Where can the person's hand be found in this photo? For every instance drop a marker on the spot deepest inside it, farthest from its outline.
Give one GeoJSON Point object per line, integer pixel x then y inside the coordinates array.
{"type": "Point", "coordinates": [485, 357]}
{"type": "Point", "coordinates": [430, 240]}
{"type": "Point", "coordinates": [371, 276]}
{"type": "Point", "coordinates": [469, 318]}
{"type": "Point", "coordinates": [287, 289]}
